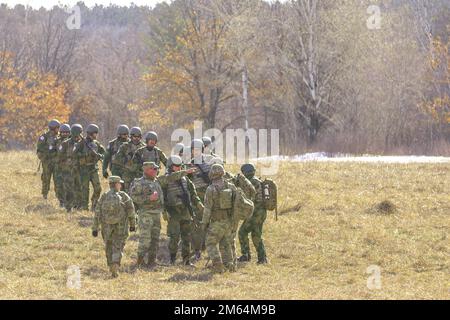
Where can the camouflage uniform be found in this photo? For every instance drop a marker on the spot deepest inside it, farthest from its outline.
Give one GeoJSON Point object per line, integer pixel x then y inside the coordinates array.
{"type": "Point", "coordinates": [180, 220]}
{"type": "Point", "coordinates": [149, 212]}
{"type": "Point", "coordinates": [70, 171]}
{"type": "Point", "coordinates": [201, 182]}
{"type": "Point", "coordinates": [110, 161]}
{"type": "Point", "coordinates": [58, 175]}
{"type": "Point", "coordinates": [47, 152]}
{"type": "Point", "coordinates": [254, 225]}
{"type": "Point", "coordinates": [146, 154]}
{"type": "Point", "coordinates": [218, 222]}
{"type": "Point", "coordinates": [89, 153]}
{"type": "Point", "coordinates": [114, 214]}
{"type": "Point", "coordinates": [125, 156]}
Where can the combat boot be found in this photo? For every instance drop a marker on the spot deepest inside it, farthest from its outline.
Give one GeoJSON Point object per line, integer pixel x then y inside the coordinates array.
{"type": "Point", "coordinates": [187, 263]}
{"type": "Point", "coordinates": [262, 260]}
{"type": "Point", "coordinates": [198, 255]}
{"type": "Point", "coordinates": [244, 258]}
{"type": "Point", "coordinates": [217, 266]}
{"type": "Point", "coordinates": [151, 261]}
{"type": "Point", "coordinates": [114, 270]}
{"type": "Point", "coordinates": [173, 258]}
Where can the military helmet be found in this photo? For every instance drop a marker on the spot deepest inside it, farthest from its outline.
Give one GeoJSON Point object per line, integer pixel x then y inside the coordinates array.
{"type": "Point", "coordinates": [216, 172]}
{"type": "Point", "coordinates": [151, 135]}
{"type": "Point", "coordinates": [76, 130]}
{"type": "Point", "coordinates": [92, 128]}
{"type": "Point", "coordinates": [207, 141]}
{"type": "Point", "coordinates": [136, 131]}
{"type": "Point", "coordinates": [53, 124]}
{"type": "Point", "coordinates": [65, 128]}
{"type": "Point", "coordinates": [215, 160]}
{"type": "Point", "coordinates": [178, 149]}
{"type": "Point", "coordinates": [174, 160]}
{"type": "Point", "coordinates": [197, 144]}
{"type": "Point", "coordinates": [123, 129]}
{"type": "Point", "coordinates": [248, 169]}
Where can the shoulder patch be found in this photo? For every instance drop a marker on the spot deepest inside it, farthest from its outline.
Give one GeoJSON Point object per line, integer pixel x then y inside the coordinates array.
{"type": "Point", "coordinates": [42, 138]}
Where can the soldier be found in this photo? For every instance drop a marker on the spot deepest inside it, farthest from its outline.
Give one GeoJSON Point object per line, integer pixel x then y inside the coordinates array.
{"type": "Point", "coordinates": [148, 153]}
{"type": "Point", "coordinates": [114, 214]}
{"type": "Point", "coordinates": [218, 219]}
{"type": "Point", "coordinates": [254, 224]}
{"type": "Point", "coordinates": [46, 152]}
{"type": "Point", "coordinates": [201, 182]}
{"type": "Point", "coordinates": [89, 153]}
{"type": "Point", "coordinates": [148, 198]}
{"type": "Point", "coordinates": [64, 133]}
{"type": "Point", "coordinates": [70, 168]}
{"type": "Point", "coordinates": [180, 196]}
{"type": "Point", "coordinates": [125, 156]}
{"type": "Point", "coordinates": [178, 150]}
{"type": "Point", "coordinates": [113, 146]}
{"type": "Point", "coordinates": [207, 142]}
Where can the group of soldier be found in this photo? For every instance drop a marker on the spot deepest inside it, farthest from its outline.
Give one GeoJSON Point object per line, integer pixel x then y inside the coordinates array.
{"type": "Point", "coordinates": [195, 195]}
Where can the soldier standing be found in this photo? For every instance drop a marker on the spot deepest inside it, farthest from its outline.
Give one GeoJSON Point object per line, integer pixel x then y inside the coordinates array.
{"type": "Point", "coordinates": [114, 214]}
{"type": "Point", "coordinates": [125, 156]}
{"type": "Point", "coordinates": [109, 160]}
{"type": "Point", "coordinates": [218, 219]}
{"type": "Point", "coordinates": [180, 196]}
{"type": "Point", "coordinates": [64, 134]}
{"type": "Point", "coordinates": [149, 153]}
{"type": "Point", "coordinates": [89, 153]}
{"type": "Point", "coordinates": [254, 224]}
{"type": "Point", "coordinates": [47, 152]}
{"type": "Point", "coordinates": [70, 168]}
{"type": "Point", "coordinates": [148, 197]}
{"type": "Point", "coordinates": [201, 182]}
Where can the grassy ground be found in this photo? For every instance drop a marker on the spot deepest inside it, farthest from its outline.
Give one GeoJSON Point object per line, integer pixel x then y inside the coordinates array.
{"type": "Point", "coordinates": [335, 221]}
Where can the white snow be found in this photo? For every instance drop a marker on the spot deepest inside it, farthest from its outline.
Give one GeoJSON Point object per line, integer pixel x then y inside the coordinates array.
{"type": "Point", "coordinates": [326, 157]}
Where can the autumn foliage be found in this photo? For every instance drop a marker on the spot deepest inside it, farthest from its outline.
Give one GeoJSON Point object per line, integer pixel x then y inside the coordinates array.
{"type": "Point", "coordinates": [27, 103]}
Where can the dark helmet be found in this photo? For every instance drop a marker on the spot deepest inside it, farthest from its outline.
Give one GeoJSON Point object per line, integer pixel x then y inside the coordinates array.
{"type": "Point", "coordinates": [174, 160]}
{"type": "Point", "coordinates": [65, 128]}
{"type": "Point", "coordinates": [123, 129]}
{"type": "Point", "coordinates": [76, 130]}
{"type": "Point", "coordinates": [178, 149]}
{"type": "Point", "coordinates": [92, 128]}
{"type": "Point", "coordinates": [197, 144]}
{"type": "Point", "coordinates": [136, 131]}
{"type": "Point", "coordinates": [152, 135]}
{"type": "Point", "coordinates": [207, 141]}
{"type": "Point", "coordinates": [248, 169]}
{"type": "Point", "coordinates": [53, 124]}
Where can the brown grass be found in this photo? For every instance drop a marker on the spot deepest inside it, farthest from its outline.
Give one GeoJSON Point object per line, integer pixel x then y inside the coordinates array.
{"type": "Point", "coordinates": [336, 220]}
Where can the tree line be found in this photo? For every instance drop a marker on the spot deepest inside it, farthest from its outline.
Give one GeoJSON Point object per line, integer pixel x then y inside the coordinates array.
{"type": "Point", "coordinates": [331, 75]}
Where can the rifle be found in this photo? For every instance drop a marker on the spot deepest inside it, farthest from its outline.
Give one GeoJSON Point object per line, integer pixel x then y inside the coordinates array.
{"type": "Point", "coordinates": [99, 156]}
{"type": "Point", "coordinates": [187, 202]}
{"type": "Point", "coordinates": [204, 175]}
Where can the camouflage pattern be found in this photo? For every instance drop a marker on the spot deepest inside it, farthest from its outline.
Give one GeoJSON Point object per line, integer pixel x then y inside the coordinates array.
{"type": "Point", "coordinates": [149, 212]}
{"type": "Point", "coordinates": [70, 170]}
{"type": "Point", "coordinates": [114, 234]}
{"type": "Point", "coordinates": [125, 156]}
{"type": "Point", "coordinates": [146, 154]}
{"type": "Point", "coordinates": [109, 161]}
{"type": "Point", "coordinates": [58, 175]}
{"type": "Point", "coordinates": [89, 153]}
{"type": "Point", "coordinates": [219, 223]}
{"type": "Point", "coordinates": [180, 222]}
{"type": "Point", "coordinates": [254, 224]}
{"type": "Point", "coordinates": [47, 154]}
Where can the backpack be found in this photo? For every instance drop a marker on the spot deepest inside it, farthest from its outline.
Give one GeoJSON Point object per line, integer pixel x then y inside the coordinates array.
{"type": "Point", "coordinates": [270, 190]}
{"type": "Point", "coordinates": [112, 208]}
{"type": "Point", "coordinates": [243, 207]}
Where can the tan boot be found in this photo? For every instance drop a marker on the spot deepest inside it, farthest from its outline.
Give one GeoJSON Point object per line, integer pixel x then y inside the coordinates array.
{"type": "Point", "coordinates": [114, 270]}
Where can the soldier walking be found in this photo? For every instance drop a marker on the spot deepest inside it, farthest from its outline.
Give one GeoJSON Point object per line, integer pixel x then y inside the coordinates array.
{"type": "Point", "coordinates": [109, 161]}
{"type": "Point", "coordinates": [64, 134]}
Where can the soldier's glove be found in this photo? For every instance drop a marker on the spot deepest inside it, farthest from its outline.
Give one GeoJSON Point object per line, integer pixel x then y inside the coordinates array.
{"type": "Point", "coordinates": [105, 174]}
{"type": "Point", "coordinates": [95, 233]}
{"type": "Point", "coordinates": [132, 229]}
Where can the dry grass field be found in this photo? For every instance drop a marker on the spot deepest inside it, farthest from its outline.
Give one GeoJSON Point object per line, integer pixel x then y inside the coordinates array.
{"type": "Point", "coordinates": [336, 220]}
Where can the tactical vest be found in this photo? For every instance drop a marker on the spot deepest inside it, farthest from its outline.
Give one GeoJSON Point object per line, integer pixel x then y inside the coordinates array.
{"type": "Point", "coordinates": [113, 147]}
{"type": "Point", "coordinates": [222, 202]}
{"type": "Point", "coordinates": [150, 155]}
{"type": "Point", "coordinates": [69, 148]}
{"type": "Point", "coordinates": [48, 146]}
{"type": "Point", "coordinates": [200, 179]}
{"type": "Point", "coordinates": [147, 188]}
{"type": "Point", "coordinates": [112, 207]}
{"type": "Point", "coordinates": [174, 193]}
{"type": "Point", "coordinates": [88, 156]}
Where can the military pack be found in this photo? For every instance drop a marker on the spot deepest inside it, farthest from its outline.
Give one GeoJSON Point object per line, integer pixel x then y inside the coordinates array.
{"type": "Point", "coordinates": [112, 208]}
{"type": "Point", "coordinates": [243, 207]}
{"type": "Point", "coordinates": [270, 191]}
